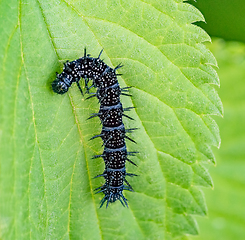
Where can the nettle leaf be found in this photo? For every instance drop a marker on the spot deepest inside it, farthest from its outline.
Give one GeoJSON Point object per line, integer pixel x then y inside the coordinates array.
{"type": "Point", "coordinates": [46, 167]}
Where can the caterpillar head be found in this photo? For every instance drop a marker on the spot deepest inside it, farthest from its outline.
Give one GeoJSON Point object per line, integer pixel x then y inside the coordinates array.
{"type": "Point", "coordinates": [61, 84]}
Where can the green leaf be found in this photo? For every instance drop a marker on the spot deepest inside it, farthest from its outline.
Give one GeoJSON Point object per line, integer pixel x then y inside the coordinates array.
{"type": "Point", "coordinates": [46, 181]}
{"type": "Point", "coordinates": [226, 215]}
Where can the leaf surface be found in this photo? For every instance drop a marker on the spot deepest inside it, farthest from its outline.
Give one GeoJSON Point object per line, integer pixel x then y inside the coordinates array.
{"type": "Point", "coordinates": [46, 167]}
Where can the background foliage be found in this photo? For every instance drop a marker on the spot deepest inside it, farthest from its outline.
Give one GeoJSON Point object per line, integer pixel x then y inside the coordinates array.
{"type": "Point", "coordinates": [226, 202]}
{"type": "Point", "coordinates": [223, 18]}
{"type": "Point", "coordinates": [46, 179]}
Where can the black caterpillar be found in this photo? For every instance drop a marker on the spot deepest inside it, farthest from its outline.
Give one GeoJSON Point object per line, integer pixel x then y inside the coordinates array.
{"type": "Point", "coordinates": [111, 112]}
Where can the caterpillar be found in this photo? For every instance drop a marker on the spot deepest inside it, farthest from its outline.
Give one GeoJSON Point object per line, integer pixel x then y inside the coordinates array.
{"type": "Point", "coordinates": [113, 134]}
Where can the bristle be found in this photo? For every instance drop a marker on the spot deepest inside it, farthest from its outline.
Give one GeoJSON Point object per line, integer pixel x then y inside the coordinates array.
{"type": "Point", "coordinates": [102, 202]}
{"type": "Point", "coordinates": [121, 201]}
{"type": "Point", "coordinates": [125, 94]}
{"type": "Point", "coordinates": [79, 88]}
{"type": "Point", "coordinates": [128, 184]}
{"type": "Point", "coordinates": [101, 175]}
{"type": "Point", "coordinates": [130, 130]}
{"type": "Point", "coordinates": [131, 175]}
{"type": "Point", "coordinates": [124, 88]}
{"type": "Point", "coordinates": [127, 116]}
{"type": "Point", "coordinates": [130, 139]}
{"type": "Point", "coordinates": [131, 162]}
{"type": "Point", "coordinates": [98, 156]}
{"type": "Point", "coordinates": [128, 188]}
{"type": "Point", "coordinates": [118, 66]}
{"type": "Point", "coordinates": [132, 153]}
{"type": "Point", "coordinates": [85, 52]}
{"type": "Point", "coordinates": [94, 115]}
{"type": "Point", "coordinates": [91, 96]}
{"type": "Point", "coordinates": [108, 200]}
{"type": "Point", "coordinates": [96, 136]}
{"type": "Point", "coordinates": [99, 191]}
{"type": "Point", "coordinates": [128, 108]}
{"type": "Point", "coordinates": [100, 53]}
{"type": "Point", "coordinates": [125, 201]}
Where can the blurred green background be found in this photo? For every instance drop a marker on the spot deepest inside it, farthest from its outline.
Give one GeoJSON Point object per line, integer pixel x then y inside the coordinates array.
{"type": "Point", "coordinates": [226, 202]}
{"type": "Point", "coordinates": [224, 18]}
{"type": "Point", "coordinates": [226, 211]}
